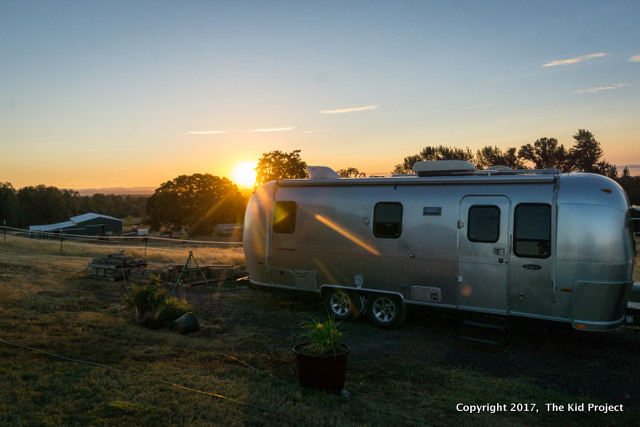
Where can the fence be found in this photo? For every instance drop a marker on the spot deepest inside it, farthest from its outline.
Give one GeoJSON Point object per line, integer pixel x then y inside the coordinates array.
{"type": "Point", "coordinates": [141, 245]}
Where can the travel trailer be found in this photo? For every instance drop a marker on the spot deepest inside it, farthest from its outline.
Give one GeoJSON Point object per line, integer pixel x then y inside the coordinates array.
{"type": "Point", "coordinates": [537, 244]}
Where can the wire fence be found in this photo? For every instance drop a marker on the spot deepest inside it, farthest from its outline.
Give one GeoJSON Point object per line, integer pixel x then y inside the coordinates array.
{"type": "Point", "coordinates": [147, 246]}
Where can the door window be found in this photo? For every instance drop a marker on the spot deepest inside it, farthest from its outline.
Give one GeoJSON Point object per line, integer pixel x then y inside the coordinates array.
{"type": "Point", "coordinates": [484, 224]}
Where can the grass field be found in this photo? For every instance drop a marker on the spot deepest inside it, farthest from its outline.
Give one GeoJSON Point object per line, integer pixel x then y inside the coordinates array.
{"type": "Point", "coordinates": [89, 363]}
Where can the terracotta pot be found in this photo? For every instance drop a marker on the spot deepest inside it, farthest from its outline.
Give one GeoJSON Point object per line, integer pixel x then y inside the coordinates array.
{"type": "Point", "coordinates": [326, 373]}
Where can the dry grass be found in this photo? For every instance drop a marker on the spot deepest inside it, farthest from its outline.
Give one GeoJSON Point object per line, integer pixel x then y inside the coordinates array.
{"type": "Point", "coordinates": [413, 376]}
{"type": "Point", "coordinates": [161, 253]}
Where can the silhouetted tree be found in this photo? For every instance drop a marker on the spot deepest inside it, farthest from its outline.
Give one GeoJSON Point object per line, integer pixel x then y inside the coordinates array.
{"type": "Point", "coordinates": [406, 167]}
{"type": "Point", "coordinates": [199, 201]}
{"type": "Point", "coordinates": [493, 156]}
{"type": "Point", "coordinates": [10, 212]}
{"type": "Point", "coordinates": [46, 205]}
{"type": "Point", "coordinates": [585, 154]}
{"type": "Point", "coordinates": [351, 173]}
{"type": "Point", "coordinates": [279, 165]}
{"type": "Point", "coordinates": [631, 185]}
{"type": "Point", "coordinates": [446, 153]}
{"type": "Point", "coordinates": [545, 153]}
{"type": "Point", "coordinates": [430, 154]}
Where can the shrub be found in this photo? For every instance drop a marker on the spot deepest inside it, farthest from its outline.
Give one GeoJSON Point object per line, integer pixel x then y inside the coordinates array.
{"type": "Point", "coordinates": [323, 336]}
{"type": "Point", "coordinates": [152, 298]}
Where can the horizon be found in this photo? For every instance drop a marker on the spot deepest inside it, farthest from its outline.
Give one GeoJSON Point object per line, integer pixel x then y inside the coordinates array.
{"type": "Point", "coordinates": [119, 94]}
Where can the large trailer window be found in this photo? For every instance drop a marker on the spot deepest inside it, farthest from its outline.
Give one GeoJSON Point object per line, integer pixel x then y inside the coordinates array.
{"type": "Point", "coordinates": [484, 224]}
{"type": "Point", "coordinates": [387, 220]}
{"type": "Point", "coordinates": [532, 234]}
{"type": "Point", "coordinates": [284, 217]}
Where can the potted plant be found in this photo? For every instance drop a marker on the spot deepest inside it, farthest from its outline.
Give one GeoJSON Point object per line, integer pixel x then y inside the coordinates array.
{"type": "Point", "coordinates": [321, 360]}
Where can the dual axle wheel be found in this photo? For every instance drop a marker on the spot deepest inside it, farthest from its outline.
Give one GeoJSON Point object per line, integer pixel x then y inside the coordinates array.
{"type": "Point", "coordinates": [382, 310]}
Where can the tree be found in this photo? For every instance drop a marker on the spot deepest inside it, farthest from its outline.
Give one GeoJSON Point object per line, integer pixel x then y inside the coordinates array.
{"type": "Point", "coordinates": [406, 167]}
{"type": "Point", "coordinates": [545, 153]}
{"type": "Point", "coordinates": [199, 201]}
{"type": "Point", "coordinates": [493, 156]}
{"type": "Point", "coordinates": [47, 205]}
{"type": "Point", "coordinates": [10, 212]}
{"type": "Point", "coordinates": [351, 173]}
{"type": "Point", "coordinates": [446, 153]}
{"type": "Point", "coordinates": [277, 165]}
{"type": "Point", "coordinates": [585, 154]}
{"type": "Point", "coordinates": [430, 154]}
{"type": "Point", "coordinates": [607, 169]}
{"type": "Point", "coordinates": [631, 185]}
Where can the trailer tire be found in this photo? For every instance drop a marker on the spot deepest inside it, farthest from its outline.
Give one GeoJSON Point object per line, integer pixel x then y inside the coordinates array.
{"type": "Point", "coordinates": [385, 311]}
{"type": "Point", "coordinates": [342, 304]}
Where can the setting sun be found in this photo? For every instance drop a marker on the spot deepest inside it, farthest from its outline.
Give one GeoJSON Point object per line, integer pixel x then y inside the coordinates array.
{"type": "Point", "coordinates": [243, 174]}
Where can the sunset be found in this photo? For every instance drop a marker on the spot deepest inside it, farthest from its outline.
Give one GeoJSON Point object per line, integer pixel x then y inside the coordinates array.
{"type": "Point", "coordinates": [314, 213]}
{"type": "Point", "coordinates": [243, 174]}
{"type": "Point", "coordinates": [121, 94]}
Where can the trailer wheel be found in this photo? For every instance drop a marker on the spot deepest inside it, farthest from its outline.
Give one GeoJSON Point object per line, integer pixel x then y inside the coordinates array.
{"type": "Point", "coordinates": [341, 304]}
{"type": "Point", "coordinates": [385, 311]}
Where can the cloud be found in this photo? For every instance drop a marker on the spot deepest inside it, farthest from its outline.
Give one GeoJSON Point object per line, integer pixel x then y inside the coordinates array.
{"type": "Point", "coordinates": [283, 129]}
{"type": "Point", "coordinates": [206, 132]}
{"type": "Point", "coordinates": [574, 60]}
{"type": "Point", "coordinates": [635, 58]}
{"type": "Point", "coordinates": [315, 131]}
{"type": "Point", "coordinates": [598, 89]}
{"type": "Point", "coordinates": [473, 107]}
{"type": "Point", "coordinates": [350, 109]}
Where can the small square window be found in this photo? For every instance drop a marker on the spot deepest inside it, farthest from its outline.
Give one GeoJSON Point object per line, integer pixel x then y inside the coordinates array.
{"type": "Point", "coordinates": [387, 220]}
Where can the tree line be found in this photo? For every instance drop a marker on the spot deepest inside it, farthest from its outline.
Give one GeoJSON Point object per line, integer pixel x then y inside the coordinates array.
{"type": "Point", "coordinates": [200, 201]}
{"type": "Point", "coordinates": [584, 156]}
{"type": "Point", "coordinates": [35, 205]}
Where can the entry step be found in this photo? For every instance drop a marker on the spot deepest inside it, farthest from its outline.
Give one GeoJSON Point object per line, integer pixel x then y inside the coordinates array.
{"type": "Point", "coordinates": [487, 332]}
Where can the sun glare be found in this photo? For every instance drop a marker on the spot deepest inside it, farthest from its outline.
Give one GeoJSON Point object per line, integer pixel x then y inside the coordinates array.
{"type": "Point", "coordinates": [243, 174]}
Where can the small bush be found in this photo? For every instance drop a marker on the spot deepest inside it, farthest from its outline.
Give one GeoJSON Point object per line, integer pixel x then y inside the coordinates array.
{"type": "Point", "coordinates": [152, 299]}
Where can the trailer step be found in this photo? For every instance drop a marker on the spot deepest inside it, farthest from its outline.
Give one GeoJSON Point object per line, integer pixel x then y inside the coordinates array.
{"type": "Point", "coordinates": [484, 332]}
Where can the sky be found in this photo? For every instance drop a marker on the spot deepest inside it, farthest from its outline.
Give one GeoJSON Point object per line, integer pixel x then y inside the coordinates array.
{"type": "Point", "coordinates": [98, 94]}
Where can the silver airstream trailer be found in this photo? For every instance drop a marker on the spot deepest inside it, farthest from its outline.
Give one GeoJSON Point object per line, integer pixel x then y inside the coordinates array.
{"type": "Point", "coordinates": [538, 244]}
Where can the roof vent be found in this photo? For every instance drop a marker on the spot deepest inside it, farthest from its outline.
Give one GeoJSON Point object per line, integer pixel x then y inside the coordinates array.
{"type": "Point", "coordinates": [321, 172]}
{"type": "Point", "coordinates": [444, 167]}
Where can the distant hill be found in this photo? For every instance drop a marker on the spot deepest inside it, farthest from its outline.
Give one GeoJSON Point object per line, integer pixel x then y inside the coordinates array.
{"type": "Point", "coordinates": [120, 191]}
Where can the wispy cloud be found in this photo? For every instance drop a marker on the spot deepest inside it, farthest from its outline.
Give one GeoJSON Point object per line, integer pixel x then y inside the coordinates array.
{"type": "Point", "coordinates": [598, 89]}
{"type": "Point", "coordinates": [574, 60]}
{"type": "Point", "coordinates": [206, 132]}
{"type": "Point", "coordinates": [315, 131]}
{"type": "Point", "coordinates": [283, 129]}
{"type": "Point", "coordinates": [635, 58]}
{"type": "Point", "coordinates": [474, 107]}
{"type": "Point", "coordinates": [350, 109]}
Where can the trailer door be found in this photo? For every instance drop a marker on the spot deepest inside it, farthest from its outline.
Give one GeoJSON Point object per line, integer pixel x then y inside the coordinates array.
{"type": "Point", "coordinates": [483, 253]}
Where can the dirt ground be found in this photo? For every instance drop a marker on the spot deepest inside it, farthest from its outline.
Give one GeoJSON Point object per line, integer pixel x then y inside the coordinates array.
{"type": "Point", "coordinates": [602, 366]}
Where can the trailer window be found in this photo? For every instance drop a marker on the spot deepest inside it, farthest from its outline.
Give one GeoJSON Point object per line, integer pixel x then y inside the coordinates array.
{"type": "Point", "coordinates": [387, 220]}
{"type": "Point", "coordinates": [484, 224]}
{"type": "Point", "coordinates": [284, 217]}
{"type": "Point", "coordinates": [532, 231]}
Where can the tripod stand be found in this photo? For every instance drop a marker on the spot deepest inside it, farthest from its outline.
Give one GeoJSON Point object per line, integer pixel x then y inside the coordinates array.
{"type": "Point", "coordinates": [185, 269]}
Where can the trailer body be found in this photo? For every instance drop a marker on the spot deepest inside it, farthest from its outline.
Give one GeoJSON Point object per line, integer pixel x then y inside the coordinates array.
{"type": "Point", "coordinates": [549, 246]}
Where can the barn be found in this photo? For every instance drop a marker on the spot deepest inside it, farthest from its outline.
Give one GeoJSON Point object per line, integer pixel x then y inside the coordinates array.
{"type": "Point", "coordinates": [89, 224]}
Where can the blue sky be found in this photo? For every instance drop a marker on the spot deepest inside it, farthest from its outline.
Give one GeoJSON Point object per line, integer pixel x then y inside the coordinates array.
{"type": "Point", "coordinates": [122, 93]}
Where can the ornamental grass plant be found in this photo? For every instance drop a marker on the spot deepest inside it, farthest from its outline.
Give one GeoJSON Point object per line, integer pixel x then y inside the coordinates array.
{"type": "Point", "coordinates": [323, 336]}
